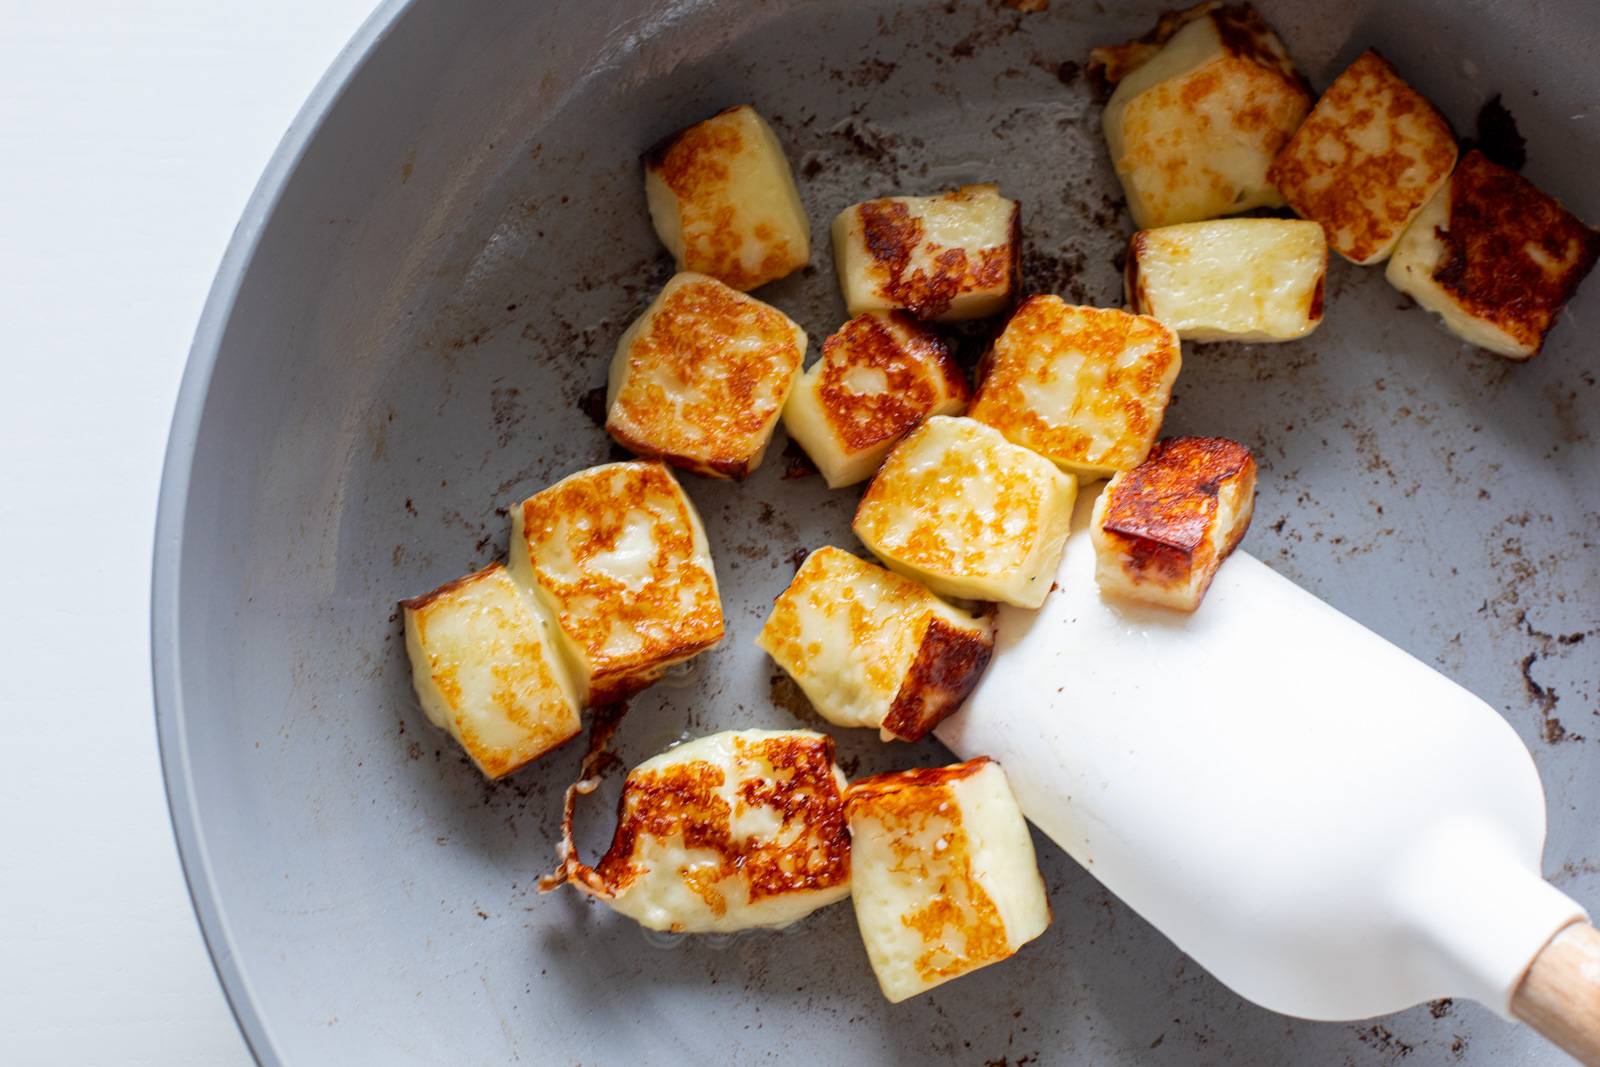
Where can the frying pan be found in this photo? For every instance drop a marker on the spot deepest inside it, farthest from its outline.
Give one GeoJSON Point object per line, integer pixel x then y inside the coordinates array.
{"type": "Point", "coordinates": [406, 335]}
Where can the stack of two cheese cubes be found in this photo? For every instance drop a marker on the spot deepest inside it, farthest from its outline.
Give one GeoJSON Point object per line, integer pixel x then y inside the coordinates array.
{"type": "Point", "coordinates": [758, 828]}
{"type": "Point", "coordinates": [610, 584]}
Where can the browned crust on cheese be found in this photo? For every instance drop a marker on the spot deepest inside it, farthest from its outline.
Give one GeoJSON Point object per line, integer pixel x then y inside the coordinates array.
{"type": "Point", "coordinates": [1245, 34]}
{"type": "Point", "coordinates": [895, 514]}
{"type": "Point", "coordinates": [658, 157]}
{"type": "Point", "coordinates": [688, 335]}
{"type": "Point", "coordinates": [417, 603]}
{"type": "Point", "coordinates": [589, 605]}
{"type": "Point", "coordinates": [893, 235]}
{"type": "Point", "coordinates": [1162, 510]}
{"type": "Point", "coordinates": [1133, 398]}
{"type": "Point", "coordinates": [916, 364]}
{"type": "Point", "coordinates": [946, 669]}
{"type": "Point", "coordinates": [1133, 292]}
{"type": "Point", "coordinates": [810, 852]}
{"type": "Point", "coordinates": [1499, 223]}
{"type": "Point", "coordinates": [693, 164]}
{"type": "Point", "coordinates": [1369, 202]}
{"type": "Point", "coordinates": [525, 672]}
{"type": "Point", "coordinates": [866, 790]}
{"type": "Point", "coordinates": [496, 763]}
{"type": "Point", "coordinates": [959, 924]}
{"type": "Point", "coordinates": [1318, 291]}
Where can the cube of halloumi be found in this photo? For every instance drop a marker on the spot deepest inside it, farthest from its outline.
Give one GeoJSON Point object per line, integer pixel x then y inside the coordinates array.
{"type": "Point", "coordinates": [486, 669]}
{"type": "Point", "coordinates": [1193, 128]}
{"type": "Point", "coordinates": [871, 648]}
{"type": "Point", "coordinates": [1084, 387]}
{"type": "Point", "coordinates": [967, 513]}
{"type": "Point", "coordinates": [728, 832]}
{"type": "Point", "coordinates": [944, 877]}
{"type": "Point", "coordinates": [944, 258]}
{"type": "Point", "coordinates": [1161, 530]}
{"type": "Point", "coordinates": [1366, 159]}
{"type": "Point", "coordinates": [1495, 257]}
{"type": "Point", "coordinates": [879, 376]}
{"type": "Point", "coordinates": [700, 378]}
{"type": "Point", "coordinates": [724, 201]}
{"type": "Point", "coordinates": [619, 557]}
{"type": "Point", "coordinates": [1231, 279]}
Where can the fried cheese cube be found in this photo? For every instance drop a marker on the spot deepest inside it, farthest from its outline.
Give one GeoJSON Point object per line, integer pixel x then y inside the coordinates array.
{"type": "Point", "coordinates": [724, 201]}
{"type": "Point", "coordinates": [618, 556]}
{"type": "Point", "coordinates": [1084, 387]}
{"type": "Point", "coordinates": [1365, 161]}
{"type": "Point", "coordinates": [1193, 128]}
{"type": "Point", "coordinates": [486, 668]}
{"type": "Point", "coordinates": [1495, 257]}
{"type": "Point", "coordinates": [700, 378]}
{"type": "Point", "coordinates": [947, 257]}
{"type": "Point", "coordinates": [878, 377]}
{"type": "Point", "coordinates": [1230, 279]}
{"type": "Point", "coordinates": [944, 877]}
{"type": "Point", "coordinates": [871, 648]}
{"type": "Point", "coordinates": [729, 832]}
{"type": "Point", "coordinates": [968, 514]}
{"type": "Point", "coordinates": [1161, 530]}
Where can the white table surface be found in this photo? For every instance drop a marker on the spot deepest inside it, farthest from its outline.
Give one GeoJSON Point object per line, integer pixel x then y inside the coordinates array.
{"type": "Point", "coordinates": [131, 134]}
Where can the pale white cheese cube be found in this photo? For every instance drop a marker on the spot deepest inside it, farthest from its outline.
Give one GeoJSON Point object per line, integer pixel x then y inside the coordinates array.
{"type": "Point", "coordinates": [1366, 159]}
{"type": "Point", "coordinates": [1084, 387]}
{"type": "Point", "coordinates": [1495, 257]}
{"type": "Point", "coordinates": [944, 877]}
{"type": "Point", "coordinates": [879, 376]}
{"type": "Point", "coordinates": [1194, 125]}
{"type": "Point", "coordinates": [724, 201]}
{"type": "Point", "coordinates": [1161, 530]}
{"type": "Point", "coordinates": [728, 832]}
{"type": "Point", "coordinates": [1231, 279]}
{"type": "Point", "coordinates": [871, 648]}
{"type": "Point", "coordinates": [967, 513]}
{"type": "Point", "coordinates": [618, 555]}
{"type": "Point", "coordinates": [700, 378]}
{"type": "Point", "coordinates": [486, 669]}
{"type": "Point", "coordinates": [944, 258]}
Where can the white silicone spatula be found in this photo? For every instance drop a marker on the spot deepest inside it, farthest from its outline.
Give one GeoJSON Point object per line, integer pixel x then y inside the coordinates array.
{"type": "Point", "coordinates": [1329, 826]}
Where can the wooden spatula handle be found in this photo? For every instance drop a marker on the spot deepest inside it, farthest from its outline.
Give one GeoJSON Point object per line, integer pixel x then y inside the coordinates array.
{"type": "Point", "coordinates": [1560, 994]}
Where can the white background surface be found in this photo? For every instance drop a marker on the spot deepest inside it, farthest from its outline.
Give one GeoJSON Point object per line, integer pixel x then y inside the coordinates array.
{"type": "Point", "coordinates": [131, 135]}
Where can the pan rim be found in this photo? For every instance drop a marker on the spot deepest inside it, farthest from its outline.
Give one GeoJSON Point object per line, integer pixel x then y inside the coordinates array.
{"type": "Point", "coordinates": [171, 511]}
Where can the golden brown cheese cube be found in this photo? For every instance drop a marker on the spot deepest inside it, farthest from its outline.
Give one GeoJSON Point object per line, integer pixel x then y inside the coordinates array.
{"type": "Point", "coordinates": [700, 378]}
{"type": "Point", "coordinates": [944, 876]}
{"type": "Point", "coordinates": [944, 258]}
{"type": "Point", "coordinates": [486, 669]}
{"type": "Point", "coordinates": [1495, 257]}
{"type": "Point", "coordinates": [871, 648]}
{"type": "Point", "coordinates": [968, 514]}
{"type": "Point", "coordinates": [728, 832]}
{"type": "Point", "coordinates": [1161, 530]}
{"type": "Point", "coordinates": [879, 376]}
{"type": "Point", "coordinates": [619, 557]}
{"type": "Point", "coordinates": [1366, 159]}
{"type": "Point", "coordinates": [1231, 279]}
{"type": "Point", "coordinates": [1193, 128]}
{"type": "Point", "coordinates": [724, 202]}
{"type": "Point", "coordinates": [1083, 387]}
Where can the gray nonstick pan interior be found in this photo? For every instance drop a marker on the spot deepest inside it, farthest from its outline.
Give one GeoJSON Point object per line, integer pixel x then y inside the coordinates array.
{"type": "Point", "coordinates": [406, 337]}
